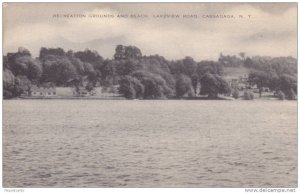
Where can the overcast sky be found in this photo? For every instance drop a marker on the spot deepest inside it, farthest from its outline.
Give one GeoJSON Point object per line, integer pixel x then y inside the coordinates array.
{"type": "Point", "coordinates": [271, 29]}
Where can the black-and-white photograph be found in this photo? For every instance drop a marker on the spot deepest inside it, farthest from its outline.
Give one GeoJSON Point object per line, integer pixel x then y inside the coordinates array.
{"type": "Point", "coordinates": [150, 95]}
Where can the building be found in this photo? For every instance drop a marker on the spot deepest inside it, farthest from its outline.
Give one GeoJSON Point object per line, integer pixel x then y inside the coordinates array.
{"type": "Point", "coordinates": [65, 91]}
{"type": "Point", "coordinates": [233, 82]}
{"type": "Point", "coordinates": [70, 92]}
{"type": "Point", "coordinates": [243, 79]}
{"type": "Point", "coordinates": [239, 83]}
{"type": "Point", "coordinates": [36, 91]}
{"type": "Point", "coordinates": [42, 91]}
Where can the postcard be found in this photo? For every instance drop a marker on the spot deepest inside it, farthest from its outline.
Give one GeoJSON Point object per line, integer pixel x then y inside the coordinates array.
{"type": "Point", "coordinates": [150, 95]}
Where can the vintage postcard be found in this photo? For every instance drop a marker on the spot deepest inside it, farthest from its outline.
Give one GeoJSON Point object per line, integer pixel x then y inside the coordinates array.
{"type": "Point", "coordinates": [150, 95]}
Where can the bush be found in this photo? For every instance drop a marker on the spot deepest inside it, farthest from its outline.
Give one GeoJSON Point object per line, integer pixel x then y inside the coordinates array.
{"type": "Point", "coordinates": [236, 94]}
{"type": "Point", "coordinates": [7, 94]}
{"type": "Point", "coordinates": [248, 95]}
{"type": "Point", "coordinates": [291, 95]}
{"type": "Point", "coordinates": [281, 95]}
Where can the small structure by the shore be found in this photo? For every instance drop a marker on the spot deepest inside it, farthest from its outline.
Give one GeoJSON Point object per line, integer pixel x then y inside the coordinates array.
{"type": "Point", "coordinates": [52, 92]}
{"type": "Point", "coordinates": [42, 91]}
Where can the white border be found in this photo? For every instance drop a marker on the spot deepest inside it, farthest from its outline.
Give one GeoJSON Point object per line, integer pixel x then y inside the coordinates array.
{"type": "Point", "coordinates": [134, 190]}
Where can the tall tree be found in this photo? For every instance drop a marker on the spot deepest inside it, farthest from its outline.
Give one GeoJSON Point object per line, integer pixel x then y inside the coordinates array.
{"type": "Point", "coordinates": [183, 85]}
{"type": "Point", "coordinates": [212, 85]}
{"type": "Point", "coordinates": [260, 79]}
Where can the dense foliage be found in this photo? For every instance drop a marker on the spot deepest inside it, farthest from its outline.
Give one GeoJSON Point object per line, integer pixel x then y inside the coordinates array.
{"type": "Point", "coordinates": [142, 77]}
{"type": "Point", "coordinates": [277, 74]}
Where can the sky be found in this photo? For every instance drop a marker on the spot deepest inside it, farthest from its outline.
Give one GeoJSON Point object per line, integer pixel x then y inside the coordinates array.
{"type": "Point", "coordinates": [271, 29]}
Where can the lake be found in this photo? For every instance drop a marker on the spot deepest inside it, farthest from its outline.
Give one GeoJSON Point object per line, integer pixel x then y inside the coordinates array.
{"type": "Point", "coordinates": [150, 143]}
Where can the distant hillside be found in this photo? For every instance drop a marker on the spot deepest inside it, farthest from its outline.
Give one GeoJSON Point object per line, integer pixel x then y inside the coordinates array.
{"type": "Point", "coordinates": [234, 66]}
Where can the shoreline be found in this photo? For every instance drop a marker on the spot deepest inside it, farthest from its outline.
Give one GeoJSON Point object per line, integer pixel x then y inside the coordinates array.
{"type": "Point", "coordinates": [72, 98]}
{"type": "Point", "coordinates": [200, 98]}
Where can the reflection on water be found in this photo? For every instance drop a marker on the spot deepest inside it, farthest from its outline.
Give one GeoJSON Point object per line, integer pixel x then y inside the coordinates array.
{"type": "Point", "coordinates": [87, 143]}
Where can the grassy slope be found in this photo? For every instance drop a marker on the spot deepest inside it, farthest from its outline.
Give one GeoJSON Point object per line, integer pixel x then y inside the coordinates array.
{"type": "Point", "coordinates": [235, 72]}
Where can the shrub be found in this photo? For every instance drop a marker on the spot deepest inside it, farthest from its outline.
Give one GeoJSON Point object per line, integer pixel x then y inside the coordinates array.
{"type": "Point", "coordinates": [7, 94]}
{"type": "Point", "coordinates": [248, 95]}
{"type": "Point", "coordinates": [281, 95]}
{"type": "Point", "coordinates": [291, 95]}
{"type": "Point", "coordinates": [236, 94]}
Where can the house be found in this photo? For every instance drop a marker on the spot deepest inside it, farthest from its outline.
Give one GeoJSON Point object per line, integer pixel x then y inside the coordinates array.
{"type": "Point", "coordinates": [70, 92]}
{"type": "Point", "coordinates": [65, 91]}
{"type": "Point", "coordinates": [42, 91]}
{"type": "Point", "coordinates": [240, 82]}
{"type": "Point", "coordinates": [233, 82]}
{"type": "Point", "coordinates": [243, 79]}
{"type": "Point", "coordinates": [57, 92]}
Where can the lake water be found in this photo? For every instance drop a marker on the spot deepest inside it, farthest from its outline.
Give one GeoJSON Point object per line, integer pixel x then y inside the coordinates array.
{"type": "Point", "coordinates": [172, 143]}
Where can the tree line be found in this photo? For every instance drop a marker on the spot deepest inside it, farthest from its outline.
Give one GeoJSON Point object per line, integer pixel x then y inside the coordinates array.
{"type": "Point", "coordinates": [140, 76]}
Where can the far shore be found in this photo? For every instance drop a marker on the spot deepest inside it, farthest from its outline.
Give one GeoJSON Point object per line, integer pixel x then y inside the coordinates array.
{"type": "Point", "coordinates": [264, 98]}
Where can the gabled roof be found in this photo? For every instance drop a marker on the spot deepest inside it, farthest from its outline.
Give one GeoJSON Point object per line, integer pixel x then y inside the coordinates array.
{"type": "Point", "coordinates": [42, 89]}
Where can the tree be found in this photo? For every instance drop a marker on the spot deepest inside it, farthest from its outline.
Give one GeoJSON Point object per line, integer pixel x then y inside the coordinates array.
{"type": "Point", "coordinates": [195, 81]}
{"type": "Point", "coordinates": [231, 61]}
{"type": "Point", "coordinates": [260, 79]}
{"type": "Point", "coordinates": [286, 83]}
{"type": "Point", "coordinates": [22, 85]}
{"type": "Point", "coordinates": [18, 63]}
{"type": "Point", "coordinates": [160, 67]}
{"type": "Point", "coordinates": [22, 64]}
{"type": "Point", "coordinates": [273, 82]}
{"type": "Point", "coordinates": [89, 71]}
{"type": "Point", "coordinates": [126, 52]}
{"type": "Point", "coordinates": [127, 91]}
{"type": "Point", "coordinates": [212, 85]}
{"type": "Point", "coordinates": [24, 51]}
{"type": "Point", "coordinates": [242, 55]}
{"type": "Point", "coordinates": [211, 67]}
{"type": "Point", "coordinates": [77, 63]}
{"type": "Point", "coordinates": [90, 86]}
{"type": "Point", "coordinates": [248, 95]}
{"type": "Point", "coordinates": [185, 66]}
{"type": "Point", "coordinates": [130, 65]}
{"type": "Point", "coordinates": [8, 84]}
{"type": "Point", "coordinates": [58, 70]}
{"type": "Point", "coordinates": [155, 86]}
{"type": "Point", "coordinates": [183, 85]}
{"type": "Point", "coordinates": [189, 66]}
{"type": "Point", "coordinates": [92, 57]}
{"type": "Point", "coordinates": [290, 94]}
{"type": "Point", "coordinates": [280, 95]}
{"type": "Point", "coordinates": [132, 52]}
{"type": "Point", "coordinates": [44, 52]}
{"type": "Point", "coordinates": [119, 52]}
{"type": "Point", "coordinates": [248, 63]}
{"type": "Point", "coordinates": [34, 71]}
{"type": "Point", "coordinates": [279, 65]}
{"type": "Point", "coordinates": [236, 93]}
{"type": "Point", "coordinates": [131, 87]}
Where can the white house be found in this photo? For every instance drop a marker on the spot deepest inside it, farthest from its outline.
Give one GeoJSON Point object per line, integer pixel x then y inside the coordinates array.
{"type": "Point", "coordinates": [42, 91]}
